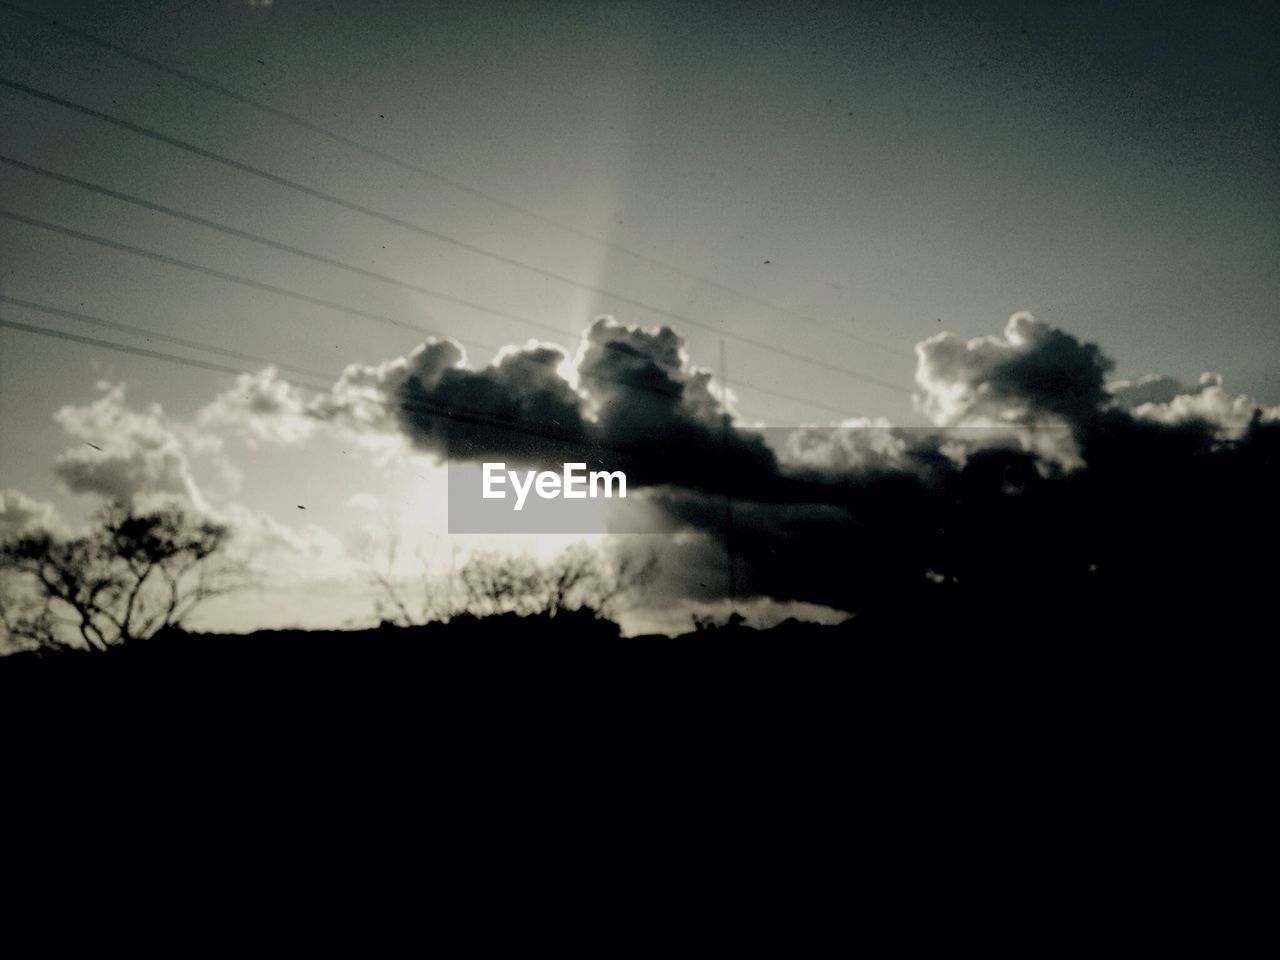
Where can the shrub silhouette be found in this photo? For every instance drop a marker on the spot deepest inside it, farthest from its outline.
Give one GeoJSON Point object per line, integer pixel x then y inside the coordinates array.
{"type": "Point", "coordinates": [132, 576]}
{"type": "Point", "coordinates": [495, 584]}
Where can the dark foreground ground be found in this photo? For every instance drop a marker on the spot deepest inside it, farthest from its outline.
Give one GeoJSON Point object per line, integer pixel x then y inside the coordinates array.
{"type": "Point", "coordinates": [447, 681]}
{"type": "Point", "coordinates": [531, 722]}
{"type": "Point", "coordinates": [388, 649]}
{"type": "Point", "coordinates": [536, 656]}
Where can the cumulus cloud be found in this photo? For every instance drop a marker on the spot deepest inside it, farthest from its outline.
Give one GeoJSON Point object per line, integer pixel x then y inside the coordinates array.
{"type": "Point", "coordinates": [1152, 388]}
{"type": "Point", "coordinates": [124, 454]}
{"type": "Point", "coordinates": [638, 405]}
{"type": "Point", "coordinates": [265, 407]}
{"type": "Point", "coordinates": [1039, 381]}
{"type": "Point", "coordinates": [1112, 491]}
{"type": "Point", "coordinates": [856, 445]}
{"type": "Point", "coordinates": [1206, 403]}
{"type": "Point", "coordinates": [1034, 373]}
{"type": "Point", "coordinates": [21, 514]}
{"type": "Point", "coordinates": [519, 407]}
{"type": "Point", "coordinates": [1036, 471]}
{"type": "Point", "coordinates": [655, 414]}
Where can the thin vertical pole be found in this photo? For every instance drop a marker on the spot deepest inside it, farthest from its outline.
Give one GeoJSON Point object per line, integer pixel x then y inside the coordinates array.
{"type": "Point", "coordinates": [728, 472]}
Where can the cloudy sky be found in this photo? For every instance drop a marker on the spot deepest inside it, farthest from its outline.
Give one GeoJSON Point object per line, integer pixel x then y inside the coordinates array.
{"type": "Point", "coordinates": [800, 193]}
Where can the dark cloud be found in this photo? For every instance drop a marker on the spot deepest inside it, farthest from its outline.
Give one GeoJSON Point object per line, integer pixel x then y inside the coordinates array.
{"type": "Point", "coordinates": [642, 408]}
{"type": "Point", "coordinates": [519, 408]}
{"type": "Point", "coordinates": [1162, 515]}
{"type": "Point", "coordinates": [1042, 496]}
{"type": "Point", "coordinates": [1164, 523]}
{"type": "Point", "coordinates": [657, 412]}
{"type": "Point", "coordinates": [1033, 374]}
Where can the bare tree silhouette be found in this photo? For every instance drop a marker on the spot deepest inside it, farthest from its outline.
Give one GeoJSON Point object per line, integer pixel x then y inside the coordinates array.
{"type": "Point", "coordinates": [491, 584]}
{"type": "Point", "coordinates": [579, 578]}
{"type": "Point", "coordinates": [133, 575]}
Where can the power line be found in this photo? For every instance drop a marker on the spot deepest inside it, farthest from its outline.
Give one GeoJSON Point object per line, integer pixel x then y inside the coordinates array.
{"type": "Point", "coordinates": [417, 404]}
{"type": "Point", "coordinates": [137, 351]}
{"type": "Point", "coordinates": [252, 358]}
{"type": "Point", "coordinates": [460, 414]}
{"type": "Point", "coordinates": [306, 298]}
{"type": "Point", "coordinates": [424, 231]}
{"type": "Point", "coordinates": [318, 258]}
{"type": "Point", "coordinates": [405, 402]}
{"type": "Point", "coordinates": [156, 335]}
{"type": "Point", "coordinates": [581, 443]}
{"type": "Point", "coordinates": [228, 277]}
{"type": "Point", "coordinates": [267, 241]}
{"type": "Point", "coordinates": [429, 174]}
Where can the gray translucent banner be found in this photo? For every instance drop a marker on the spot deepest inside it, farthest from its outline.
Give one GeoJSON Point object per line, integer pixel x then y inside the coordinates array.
{"type": "Point", "coordinates": [780, 465]}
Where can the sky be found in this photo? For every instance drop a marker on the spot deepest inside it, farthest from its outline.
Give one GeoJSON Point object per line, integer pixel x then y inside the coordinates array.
{"type": "Point", "coordinates": [802, 192]}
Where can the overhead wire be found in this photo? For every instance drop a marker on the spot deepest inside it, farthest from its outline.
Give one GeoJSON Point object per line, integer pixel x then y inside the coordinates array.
{"type": "Point", "coordinates": [333, 305]}
{"type": "Point", "coordinates": [227, 277]}
{"type": "Point", "coordinates": [274, 244]}
{"type": "Point", "coordinates": [147, 334]}
{"type": "Point", "coordinates": [433, 234]}
{"type": "Point", "coordinates": [419, 404]}
{"type": "Point", "coordinates": [423, 171]}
